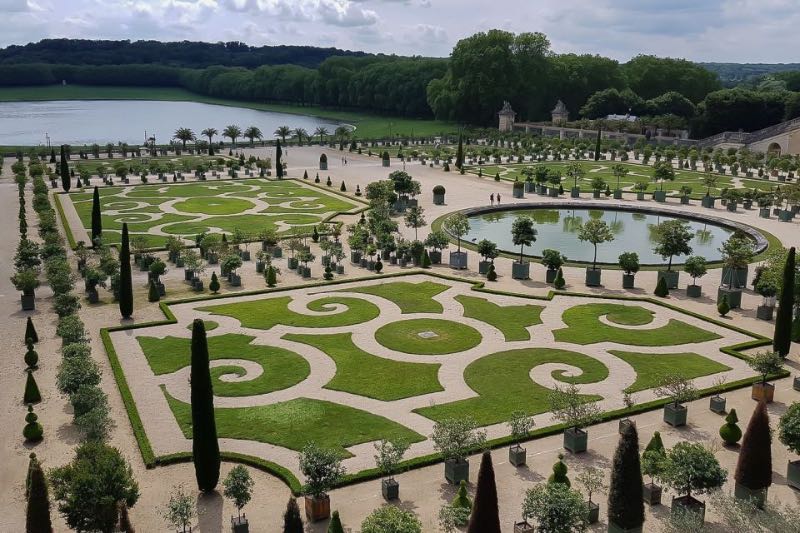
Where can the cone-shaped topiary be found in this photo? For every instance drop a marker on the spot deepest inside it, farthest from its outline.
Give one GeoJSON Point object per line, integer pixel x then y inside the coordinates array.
{"type": "Point", "coordinates": [271, 276]}
{"type": "Point", "coordinates": [497, 177]}
{"type": "Point", "coordinates": [213, 286]}
{"type": "Point", "coordinates": [730, 431]}
{"type": "Point", "coordinates": [305, 174]}
{"type": "Point", "coordinates": [754, 467]}
{"type": "Point", "coordinates": [379, 265]}
{"type": "Point", "coordinates": [661, 288]}
{"type": "Point", "coordinates": [559, 474]}
{"type": "Point", "coordinates": [485, 517]}
{"type": "Point", "coordinates": [30, 332]}
{"type": "Point", "coordinates": [724, 307]}
{"type": "Point", "coordinates": [32, 394]}
{"type": "Point", "coordinates": [782, 339]}
{"type": "Point", "coordinates": [31, 357]}
{"type": "Point", "coordinates": [278, 162]}
{"type": "Point", "coordinates": [205, 447]}
{"type": "Point", "coordinates": [426, 259]}
{"type": "Point", "coordinates": [655, 444]}
{"type": "Point", "coordinates": [625, 502]}
{"type": "Point", "coordinates": [559, 283]}
{"type": "Point", "coordinates": [491, 274]}
{"type": "Point", "coordinates": [336, 524]}
{"type": "Point", "coordinates": [462, 497]}
{"type": "Point", "coordinates": [37, 516]}
{"type": "Point", "coordinates": [292, 523]}
{"type": "Point", "coordinates": [33, 462]}
{"type": "Point", "coordinates": [315, 235]}
{"type": "Point", "coordinates": [343, 188]}
{"type": "Point", "coordinates": [97, 219]}
{"type": "Point", "coordinates": [33, 431]}
{"type": "Point", "coordinates": [152, 292]}
{"type": "Point", "coordinates": [125, 277]}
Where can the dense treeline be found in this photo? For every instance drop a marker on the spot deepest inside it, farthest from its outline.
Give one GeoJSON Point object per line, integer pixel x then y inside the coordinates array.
{"type": "Point", "coordinates": [180, 54]}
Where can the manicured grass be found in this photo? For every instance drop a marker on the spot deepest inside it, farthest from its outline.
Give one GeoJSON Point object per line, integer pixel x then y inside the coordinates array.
{"type": "Point", "coordinates": [512, 320]}
{"type": "Point", "coordinates": [214, 205]}
{"type": "Point", "coordinates": [584, 327]}
{"type": "Point", "coordinates": [629, 315]}
{"type": "Point", "coordinates": [367, 125]}
{"type": "Point", "coordinates": [295, 423]}
{"type": "Point", "coordinates": [410, 297]}
{"type": "Point", "coordinates": [282, 368]}
{"type": "Point", "coordinates": [652, 367]}
{"type": "Point", "coordinates": [362, 373]}
{"type": "Point", "coordinates": [268, 312]}
{"type": "Point", "coordinates": [209, 324]}
{"type": "Point", "coordinates": [502, 381]}
{"type": "Point", "coordinates": [450, 337]}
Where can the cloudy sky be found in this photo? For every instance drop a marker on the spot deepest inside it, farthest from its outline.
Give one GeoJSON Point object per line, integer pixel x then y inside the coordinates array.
{"type": "Point", "coordinates": [701, 30]}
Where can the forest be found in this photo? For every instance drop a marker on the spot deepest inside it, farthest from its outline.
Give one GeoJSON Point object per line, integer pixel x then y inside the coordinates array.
{"type": "Point", "coordinates": [468, 87]}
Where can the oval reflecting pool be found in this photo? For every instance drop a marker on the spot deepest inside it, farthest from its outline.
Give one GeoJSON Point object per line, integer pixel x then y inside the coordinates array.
{"type": "Point", "coordinates": [558, 229]}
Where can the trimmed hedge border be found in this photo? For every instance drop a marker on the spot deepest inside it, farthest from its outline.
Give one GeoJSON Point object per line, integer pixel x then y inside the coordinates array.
{"type": "Point", "coordinates": [68, 230]}
{"type": "Point", "coordinates": [282, 473]}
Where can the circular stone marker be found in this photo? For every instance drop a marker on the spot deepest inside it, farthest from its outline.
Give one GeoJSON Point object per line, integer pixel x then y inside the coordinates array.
{"type": "Point", "coordinates": [214, 205]}
{"type": "Point", "coordinates": [427, 336]}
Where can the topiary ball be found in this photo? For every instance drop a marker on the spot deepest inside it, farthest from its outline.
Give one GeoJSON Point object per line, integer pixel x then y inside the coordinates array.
{"type": "Point", "coordinates": [730, 432]}
{"type": "Point", "coordinates": [31, 357]}
{"type": "Point", "coordinates": [33, 431]}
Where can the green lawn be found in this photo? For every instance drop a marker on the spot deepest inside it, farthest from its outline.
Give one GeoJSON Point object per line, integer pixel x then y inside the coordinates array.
{"type": "Point", "coordinates": [584, 327]}
{"type": "Point", "coordinates": [367, 125]}
{"type": "Point", "coordinates": [512, 320]}
{"type": "Point", "coordinates": [652, 367]}
{"type": "Point", "coordinates": [268, 312]}
{"type": "Point", "coordinates": [504, 385]}
{"type": "Point", "coordinates": [295, 423]}
{"type": "Point", "coordinates": [410, 297]}
{"type": "Point", "coordinates": [448, 336]}
{"type": "Point", "coordinates": [209, 324]}
{"type": "Point", "coordinates": [214, 205]}
{"type": "Point", "coordinates": [362, 373]}
{"type": "Point", "coordinates": [282, 368]}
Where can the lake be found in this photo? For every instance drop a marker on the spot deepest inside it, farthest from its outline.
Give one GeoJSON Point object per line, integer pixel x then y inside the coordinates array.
{"type": "Point", "coordinates": [79, 122]}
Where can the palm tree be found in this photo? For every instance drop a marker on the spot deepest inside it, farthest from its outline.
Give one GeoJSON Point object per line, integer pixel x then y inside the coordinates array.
{"type": "Point", "coordinates": [233, 132]}
{"type": "Point", "coordinates": [341, 133]}
{"type": "Point", "coordinates": [253, 133]}
{"type": "Point", "coordinates": [210, 132]}
{"type": "Point", "coordinates": [283, 132]}
{"type": "Point", "coordinates": [301, 134]}
{"type": "Point", "coordinates": [321, 132]}
{"type": "Point", "coordinates": [184, 135]}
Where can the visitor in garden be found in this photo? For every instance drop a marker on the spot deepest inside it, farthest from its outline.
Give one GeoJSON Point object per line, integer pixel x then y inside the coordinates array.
{"type": "Point", "coordinates": [491, 198]}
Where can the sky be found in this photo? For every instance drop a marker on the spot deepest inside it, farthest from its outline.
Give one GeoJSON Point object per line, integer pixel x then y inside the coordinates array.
{"type": "Point", "coordinates": [700, 30]}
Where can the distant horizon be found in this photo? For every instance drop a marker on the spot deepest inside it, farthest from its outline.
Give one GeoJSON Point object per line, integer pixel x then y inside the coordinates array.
{"type": "Point", "coordinates": [713, 31]}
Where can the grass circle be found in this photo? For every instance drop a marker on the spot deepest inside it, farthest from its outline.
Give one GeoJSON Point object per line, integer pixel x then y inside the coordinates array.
{"type": "Point", "coordinates": [214, 205]}
{"type": "Point", "coordinates": [427, 336]}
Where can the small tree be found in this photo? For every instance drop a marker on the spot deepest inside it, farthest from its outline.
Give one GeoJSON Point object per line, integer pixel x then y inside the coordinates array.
{"type": "Point", "coordinates": [391, 519]}
{"type": "Point", "coordinates": [321, 468]}
{"type": "Point", "coordinates": [205, 446]}
{"type": "Point", "coordinates": [690, 468]}
{"type": "Point", "coordinates": [520, 425]}
{"type": "Point", "coordinates": [789, 428]}
{"type": "Point", "coordinates": [663, 172]}
{"type": "Point", "coordinates": [556, 508]}
{"type": "Point", "coordinates": [677, 388]}
{"type": "Point", "coordinates": [782, 338]}
{"type": "Point", "coordinates": [766, 363]}
{"type": "Point", "coordinates": [625, 504]}
{"type": "Point", "coordinates": [415, 218]}
{"type": "Point", "coordinates": [213, 286]}
{"type": "Point", "coordinates": [552, 259]}
{"type": "Point", "coordinates": [592, 480]}
{"type": "Point", "coordinates": [737, 252]}
{"type": "Point", "coordinates": [389, 455]}
{"type": "Point", "coordinates": [662, 291]}
{"type": "Point", "coordinates": [754, 466]}
{"type": "Point", "coordinates": [455, 438]}
{"type": "Point", "coordinates": [487, 250]}
{"type": "Point", "coordinates": [596, 232]}
{"type": "Point", "coordinates": [672, 238]}
{"type": "Point", "coordinates": [572, 409]}
{"type": "Point", "coordinates": [629, 262]}
{"type": "Point", "coordinates": [180, 510]}
{"type": "Point", "coordinates": [238, 487]}
{"type": "Point", "coordinates": [523, 233]}
{"type": "Point", "coordinates": [292, 521]}
{"type": "Point", "coordinates": [457, 225]}
{"type": "Point", "coordinates": [695, 266]}
{"type": "Point", "coordinates": [560, 470]}
{"type": "Point", "coordinates": [335, 525]}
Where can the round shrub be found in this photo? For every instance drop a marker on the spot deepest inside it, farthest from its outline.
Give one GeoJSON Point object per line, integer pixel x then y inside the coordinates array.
{"type": "Point", "coordinates": [33, 431]}
{"type": "Point", "coordinates": [730, 431]}
{"type": "Point", "coordinates": [559, 474]}
{"type": "Point", "coordinates": [491, 274]}
{"type": "Point", "coordinates": [31, 357]}
{"type": "Point", "coordinates": [439, 189]}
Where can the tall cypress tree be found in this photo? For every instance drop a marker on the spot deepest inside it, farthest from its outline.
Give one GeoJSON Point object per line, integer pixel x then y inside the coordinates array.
{"type": "Point", "coordinates": [205, 447]}
{"type": "Point", "coordinates": [30, 332]}
{"type": "Point", "coordinates": [782, 341]}
{"type": "Point", "coordinates": [460, 152]}
{"type": "Point", "coordinates": [485, 517]}
{"type": "Point", "coordinates": [64, 170]}
{"type": "Point", "coordinates": [625, 503]}
{"type": "Point", "coordinates": [125, 279]}
{"type": "Point", "coordinates": [37, 519]}
{"type": "Point", "coordinates": [754, 467]}
{"type": "Point", "coordinates": [97, 221]}
{"type": "Point", "coordinates": [278, 155]}
{"type": "Point", "coordinates": [292, 523]}
{"type": "Point", "coordinates": [597, 144]}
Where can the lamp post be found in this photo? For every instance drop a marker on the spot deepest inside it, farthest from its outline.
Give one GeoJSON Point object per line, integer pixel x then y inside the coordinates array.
{"type": "Point", "coordinates": [47, 136]}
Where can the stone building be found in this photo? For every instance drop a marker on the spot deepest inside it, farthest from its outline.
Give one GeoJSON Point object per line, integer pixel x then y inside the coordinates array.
{"type": "Point", "coordinates": [506, 117]}
{"type": "Point", "coordinates": [560, 114]}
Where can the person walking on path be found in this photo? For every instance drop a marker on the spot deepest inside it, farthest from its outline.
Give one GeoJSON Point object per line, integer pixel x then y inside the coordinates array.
{"type": "Point", "coordinates": [498, 198]}
{"type": "Point", "coordinates": [491, 198]}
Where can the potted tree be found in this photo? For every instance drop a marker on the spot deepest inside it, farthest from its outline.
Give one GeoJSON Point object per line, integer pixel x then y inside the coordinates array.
{"type": "Point", "coordinates": [789, 435]}
{"type": "Point", "coordinates": [672, 238]}
{"type": "Point", "coordinates": [592, 480]}
{"type": "Point", "coordinates": [653, 459]}
{"type": "Point", "coordinates": [389, 455]}
{"type": "Point", "coordinates": [295, 245]}
{"type": "Point", "coordinates": [572, 409]}
{"type": "Point", "coordinates": [695, 266]}
{"type": "Point", "coordinates": [628, 402]}
{"type": "Point", "coordinates": [717, 401]}
{"type": "Point", "coordinates": [768, 290]}
{"type": "Point", "coordinates": [685, 192]}
{"type": "Point", "coordinates": [229, 266]}
{"type": "Point", "coordinates": [454, 438]}
{"type": "Point", "coordinates": [488, 251]}
{"type": "Point", "coordinates": [554, 507]}
{"type": "Point", "coordinates": [437, 241]}
{"type": "Point", "coordinates": [457, 225]}
{"type": "Point", "coordinates": [238, 487]}
{"type": "Point", "coordinates": [576, 172]}
{"type": "Point", "coordinates": [520, 424]}
{"type": "Point", "coordinates": [323, 162]}
{"type": "Point", "coordinates": [629, 263]}
{"type": "Point", "coordinates": [679, 390]}
{"type": "Point", "coordinates": [518, 189]}
{"type": "Point", "coordinates": [522, 234]}
{"type": "Point", "coordinates": [640, 187]}
{"type": "Point", "coordinates": [306, 257]}
{"type": "Point", "coordinates": [322, 469]}
{"type": "Point", "coordinates": [620, 171]}
{"type": "Point", "coordinates": [598, 184]}
{"type": "Point", "coordinates": [690, 468]}
{"type": "Point", "coordinates": [596, 232]}
{"type": "Point", "coordinates": [766, 363]}
{"type": "Point", "coordinates": [736, 254]}
{"type": "Point", "coordinates": [662, 172]}
{"type": "Point", "coordinates": [553, 260]}
{"type": "Point", "coordinates": [26, 281]}
{"type": "Point", "coordinates": [94, 277]}
{"type": "Point", "coordinates": [438, 195]}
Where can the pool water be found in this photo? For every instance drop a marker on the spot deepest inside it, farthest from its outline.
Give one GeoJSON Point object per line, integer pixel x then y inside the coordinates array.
{"type": "Point", "coordinates": [558, 229]}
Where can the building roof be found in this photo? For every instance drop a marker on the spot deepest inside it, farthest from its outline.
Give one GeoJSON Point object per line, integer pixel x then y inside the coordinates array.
{"type": "Point", "coordinates": [560, 108]}
{"type": "Point", "coordinates": [506, 109]}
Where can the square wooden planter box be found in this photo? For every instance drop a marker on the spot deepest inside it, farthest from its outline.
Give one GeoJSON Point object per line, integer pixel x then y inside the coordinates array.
{"type": "Point", "coordinates": [550, 275]}
{"type": "Point", "coordinates": [614, 528]}
{"type": "Point", "coordinates": [575, 192]}
{"type": "Point", "coordinates": [694, 291]}
{"type": "Point", "coordinates": [390, 489]}
{"type": "Point", "coordinates": [675, 415]}
{"type": "Point", "coordinates": [717, 404]}
{"type": "Point", "coordinates": [240, 524]}
{"type": "Point", "coordinates": [734, 296]}
{"type": "Point", "coordinates": [593, 277]}
{"type": "Point", "coordinates": [793, 474]}
{"type": "Point", "coordinates": [660, 196]}
{"type": "Point", "coordinates": [520, 270]}
{"type": "Point", "coordinates": [523, 527]}
{"type": "Point", "coordinates": [483, 267]}
{"type": "Point", "coordinates": [763, 391]}
{"type": "Point", "coordinates": [458, 260]}
{"type": "Point", "coordinates": [796, 383]}
{"type": "Point", "coordinates": [456, 471]}
{"type": "Point", "coordinates": [593, 514]}
{"type": "Point", "coordinates": [651, 494]}
{"type": "Point", "coordinates": [576, 440]}
{"type": "Point", "coordinates": [670, 277]}
{"type": "Point", "coordinates": [765, 312]}
{"type": "Point", "coordinates": [318, 508]}
{"type": "Point", "coordinates": [628, 281]}
{"type": "Point", "coordinates": [517, 455]}
{"type": "Point", "coordinates": [708, 201]}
